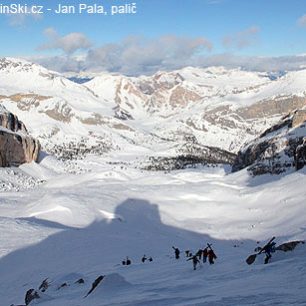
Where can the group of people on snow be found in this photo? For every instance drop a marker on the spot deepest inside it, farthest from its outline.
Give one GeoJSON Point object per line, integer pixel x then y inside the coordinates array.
{"type": "Point", "coordinates": [201, 254]}
{"type": "Point", "coordinates": [128, 261]}
{"type": "Point", "coordinates": [204, 254]}
{"type": "Point", "coordinates": [145, 258]}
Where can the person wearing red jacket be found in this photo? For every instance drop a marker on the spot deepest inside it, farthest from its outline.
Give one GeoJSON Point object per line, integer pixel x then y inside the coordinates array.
{"type": "Point", "coordinates": [211, 256]}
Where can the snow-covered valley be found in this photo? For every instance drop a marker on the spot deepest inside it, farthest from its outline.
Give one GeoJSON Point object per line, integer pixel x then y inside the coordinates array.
{"type": "Point", "coordinates": [83, 226]}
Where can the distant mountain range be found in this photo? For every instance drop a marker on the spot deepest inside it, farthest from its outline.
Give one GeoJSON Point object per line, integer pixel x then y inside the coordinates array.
{"type": "Point", "coordinates": [168, 114]}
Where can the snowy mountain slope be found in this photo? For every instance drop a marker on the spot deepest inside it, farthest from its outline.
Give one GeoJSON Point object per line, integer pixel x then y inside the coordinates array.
{"type": "Point", "coordinates": [60, 232]}
{"type": "Point", "coordinates": [219, 107]}
{"type": "Point", "coordinates": [179, 88]}
{"type": "Point", "coordinates": [59, 112]}
{"type": "Point", "coordinates": [174, 91]}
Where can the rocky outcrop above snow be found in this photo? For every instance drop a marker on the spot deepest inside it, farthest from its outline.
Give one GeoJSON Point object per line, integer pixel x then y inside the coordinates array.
{"type": "Point", "coordinates": [30, 296]}
{"type": "Point", "coordinates": [280, 147]}
{"type": "Point", "coordinates": [16, 145]}
{"type": "Point", "coordinates": [289, 246]}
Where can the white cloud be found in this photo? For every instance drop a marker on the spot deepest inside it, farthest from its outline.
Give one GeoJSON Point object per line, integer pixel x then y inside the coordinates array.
{"type": "Point", "coordinates": [135, 55]}
{"type": "Point", "coordinates": [228, 60]}
{"type": "Point", "coordinates": [302, 21]}
{"type": "Point", "coordinates": [254, 63]}
{"type": "Point", "coordinates": [242, 39]}
{"type": "Point", "coordinates": [62, 63]}
{"type": "Point", "coordinates": [69, 43]}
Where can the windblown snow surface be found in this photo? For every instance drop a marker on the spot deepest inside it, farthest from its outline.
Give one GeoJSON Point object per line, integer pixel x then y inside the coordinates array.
{"type": "Point", "coordinates": [71, 226]}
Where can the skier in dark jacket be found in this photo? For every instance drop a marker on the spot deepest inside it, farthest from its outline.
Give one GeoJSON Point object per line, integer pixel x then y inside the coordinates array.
{"type": "Point", "coordinates": [144, 258]}
{"type": "Point", "coordinates": [199, 253]}
{"type": "Point", "coordinates": [205, 254]}
{"type": "Point", "coordinates": [268, 249]}
{"type": "Point", "coordinates": [211, 256]}
{"type": "Point", "coordinates": [176, 252]}
{"type": "Point", "coordinates": [195, 261]}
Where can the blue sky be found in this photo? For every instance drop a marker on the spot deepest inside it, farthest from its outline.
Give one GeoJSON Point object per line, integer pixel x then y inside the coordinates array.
{"type": "Point", "coordinates": [207, 28]}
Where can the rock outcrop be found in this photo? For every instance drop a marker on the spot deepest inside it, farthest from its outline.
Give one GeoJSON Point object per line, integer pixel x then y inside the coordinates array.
{"type": "Point", "coordinates": [300, 155]}
{"type": "Point", "coordinates": [280, 147]}
{"type": "Point", "coordinates": [16, 145]}
{"type": "Point", "coordinates": [95, 284]}
{"type": "Point", "coordinates": [31, 295]}
{"type": "Point", "coordinates": [299, 118]}
{"type": "Point", "coordinates": [289, 246]}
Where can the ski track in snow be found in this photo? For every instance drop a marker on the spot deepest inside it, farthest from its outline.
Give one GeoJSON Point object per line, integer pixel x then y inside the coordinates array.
{"type": "Point", "coordinates": [75, 226]}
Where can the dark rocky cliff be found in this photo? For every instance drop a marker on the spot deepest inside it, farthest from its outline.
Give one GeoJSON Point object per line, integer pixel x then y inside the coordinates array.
{"type": "Point", "coordinates": [280, 147]}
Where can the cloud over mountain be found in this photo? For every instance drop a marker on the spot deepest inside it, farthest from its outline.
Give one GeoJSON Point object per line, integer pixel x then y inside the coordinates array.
{"type": "Point", "coordinates": [133, 55]}
{"type": "Point", "coordinates": [140, 55]}
{"type": "Point", "coordinates": [69, 43]}
{"type": "Point", "coordinates": [137, 55]}
{"type": "Point", "coordinates": [228, 60]}
{"type": "Point", "coordinates": [242, 39]}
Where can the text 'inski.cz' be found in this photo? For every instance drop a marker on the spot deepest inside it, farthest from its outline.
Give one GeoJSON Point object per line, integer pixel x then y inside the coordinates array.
{"type": "Point", "coordinates": [81, 8]}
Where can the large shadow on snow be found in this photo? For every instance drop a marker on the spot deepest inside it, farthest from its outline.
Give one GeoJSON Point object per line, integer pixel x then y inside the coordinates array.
{"type": "Point", "coordinates": [136, 229]}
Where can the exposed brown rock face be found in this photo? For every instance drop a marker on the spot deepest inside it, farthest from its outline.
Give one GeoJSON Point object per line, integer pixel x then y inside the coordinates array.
{"type": "Point", "coordinates": [299, 118]}
{"type": "Point", "coordinates": [16, 145]}
{"type": "Point", "coordinates": [181, 97]}
{"type": "Point", "coordinates": [276, 106]}
{"type": "Point", "coordinates": [26, 101]}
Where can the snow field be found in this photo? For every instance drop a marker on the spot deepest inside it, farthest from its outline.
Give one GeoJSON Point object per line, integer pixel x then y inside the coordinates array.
{"type": "Point", "coordinates": [84, 225]}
